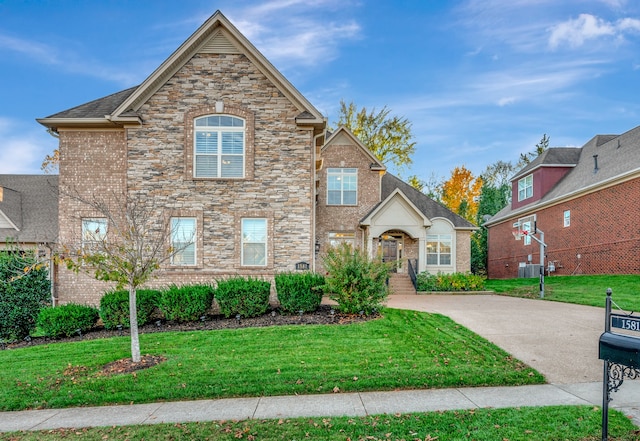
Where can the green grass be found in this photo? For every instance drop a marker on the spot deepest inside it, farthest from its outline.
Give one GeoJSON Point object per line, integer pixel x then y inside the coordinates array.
{"type": "Point", "coordinates": [583, 290]}
{"type": "Point", "coordinates": [570, 423]}
{"type": "Point", "coordinates": [402, 350]}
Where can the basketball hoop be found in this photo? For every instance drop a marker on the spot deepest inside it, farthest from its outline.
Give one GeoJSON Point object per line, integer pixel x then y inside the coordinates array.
{"type": "Point", "coordinates": [518, 233]}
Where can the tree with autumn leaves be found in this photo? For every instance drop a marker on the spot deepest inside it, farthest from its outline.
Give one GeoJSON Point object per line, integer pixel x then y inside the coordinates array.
{"type": "Point", "coordinates": [461, 193]}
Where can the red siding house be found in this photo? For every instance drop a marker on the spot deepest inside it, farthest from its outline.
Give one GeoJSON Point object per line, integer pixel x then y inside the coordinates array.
{"type": "Point", "coordinates": [585, 200]}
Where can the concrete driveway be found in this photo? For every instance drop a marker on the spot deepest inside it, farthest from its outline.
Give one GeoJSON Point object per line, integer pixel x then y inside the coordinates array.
{"type": "Point", "coordinates": [559, 340]}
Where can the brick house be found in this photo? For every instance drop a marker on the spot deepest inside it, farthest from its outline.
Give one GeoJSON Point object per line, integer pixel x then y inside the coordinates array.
{"type": "Point", "coordinates": [234, 155]}
{"type": "Point", "coordinates": [360, 203]}
{"type": "Point", "coordinates": [585, 201]}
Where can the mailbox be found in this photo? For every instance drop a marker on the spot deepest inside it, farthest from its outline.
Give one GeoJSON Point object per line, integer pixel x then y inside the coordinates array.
{"type": "Point", "coordinates": [621, 349]}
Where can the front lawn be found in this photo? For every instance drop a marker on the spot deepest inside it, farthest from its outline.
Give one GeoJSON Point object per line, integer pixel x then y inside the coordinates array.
{"type": "Point", "coordinates": [402, 350]}
{"type": "Point", "coordinates": [580, 289]}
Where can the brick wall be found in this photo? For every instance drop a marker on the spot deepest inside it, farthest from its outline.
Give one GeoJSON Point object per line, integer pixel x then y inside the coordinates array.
{"type": "Point", "coordinates": [155, 160]}
{"type": "Point", "coordinates": [463, 251]}
{"type": "Point", "coordinates": [92, 162]}
{"type": "Point", "coordinates": [603, 238]}
{"type": "Point", "coordinates": [334, 218]}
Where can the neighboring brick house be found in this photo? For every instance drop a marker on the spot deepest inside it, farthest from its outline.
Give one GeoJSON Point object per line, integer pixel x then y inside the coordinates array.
{"type": "Point", "coordinates": [360, 203]}
{"type": "Point", "coordinates": [229, 149]}
{"type": "Point", "coordinates": [585, 201]}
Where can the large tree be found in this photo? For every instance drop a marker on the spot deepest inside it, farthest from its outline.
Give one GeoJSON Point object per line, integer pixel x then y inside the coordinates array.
{"type": "Point", "coordinates": [127, 249]}
{"type": "Point", "coordinates": [388, 137]}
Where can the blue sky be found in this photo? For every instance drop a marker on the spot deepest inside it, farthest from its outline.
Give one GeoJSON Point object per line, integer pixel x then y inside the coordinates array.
{"type": "Point", "coordinates": [480, 80]}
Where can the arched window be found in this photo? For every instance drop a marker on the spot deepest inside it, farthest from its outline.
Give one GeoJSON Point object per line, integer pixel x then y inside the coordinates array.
{"type": "Point", "coordinates": [219, 147]}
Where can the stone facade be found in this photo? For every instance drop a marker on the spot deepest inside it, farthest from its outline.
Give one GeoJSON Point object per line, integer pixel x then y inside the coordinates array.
{"type": "Point", "coordinates": [155, 160]}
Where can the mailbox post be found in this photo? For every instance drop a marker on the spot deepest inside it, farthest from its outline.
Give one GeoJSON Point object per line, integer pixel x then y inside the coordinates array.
{"type": "Point", "coordinates": [621, 355]}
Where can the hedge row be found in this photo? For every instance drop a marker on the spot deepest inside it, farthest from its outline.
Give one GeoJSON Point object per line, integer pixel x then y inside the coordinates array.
{"type": "Point", "coordinates": [449, 282]}
{"type": "Point", "coordinates": [238, 296]}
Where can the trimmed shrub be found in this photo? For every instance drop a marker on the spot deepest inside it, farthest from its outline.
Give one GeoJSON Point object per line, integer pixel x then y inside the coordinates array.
{"type": "Point", "coordinates": [299, 291]}
{"type": "Point", "coordinates": [449, 282]}
{"type": "Point", "coordinates": [186, 303]}
{"type": "Point", "coordinates": [355, 281]}
{"type": "Point", "coordinates": [114, 307]}
{"type": "Point", "coordinates": [247, 297]}
{"type": "Point", "coordinates": [67, 320]}
{"type": "Point", "coordinates": [24, 290]}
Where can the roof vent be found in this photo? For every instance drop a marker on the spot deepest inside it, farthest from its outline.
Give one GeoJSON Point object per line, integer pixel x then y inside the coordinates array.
{"type": "Point", "coordinates": [595, 163]}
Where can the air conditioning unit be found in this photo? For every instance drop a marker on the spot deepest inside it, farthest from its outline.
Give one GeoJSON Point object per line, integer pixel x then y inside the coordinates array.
{"type": "Point", "coordinates": [528, 270]}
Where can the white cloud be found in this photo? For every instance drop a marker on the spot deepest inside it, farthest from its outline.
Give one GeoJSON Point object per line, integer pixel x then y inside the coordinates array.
{"type": "Point", "coordinates": [22, 149]}
{"type": "Point", "coordinates": [298, 32]}
{"type": "Point", "coordinates": [66, 60]}
{"type": "Point", "coordinates": [576, 32]}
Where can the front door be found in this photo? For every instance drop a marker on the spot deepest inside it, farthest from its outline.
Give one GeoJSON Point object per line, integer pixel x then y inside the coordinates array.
{"type": "Point", "coordinates": [392, 251]}
{"type": "Point", "coordinates": [389, 250]}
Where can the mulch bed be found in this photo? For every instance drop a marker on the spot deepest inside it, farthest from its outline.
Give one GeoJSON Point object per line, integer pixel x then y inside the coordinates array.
{"type": "Point", "coordinates": [325, 315]}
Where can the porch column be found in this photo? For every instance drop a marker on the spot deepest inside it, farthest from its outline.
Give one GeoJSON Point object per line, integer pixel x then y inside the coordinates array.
{"type": "Point", "coordinates": [422, 254]}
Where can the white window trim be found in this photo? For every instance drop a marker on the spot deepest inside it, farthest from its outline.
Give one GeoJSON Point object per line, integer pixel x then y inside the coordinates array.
{"type": "Point", "coordinates": [566, 218]}
{"type": "Point", "coordinates": [342, 173]}
{"type": "Point", "coordinates": [193, 241]}
{"type": "Point", "coordinates": [527, 188]}
{"type": "Point", "coordinates": [219, 155]}
{"type": "Point", "coordinates": [335, 238]}
{"type": "Point", "coordinates": [95, 237]}
{"type": "Point", "coordinates": [439, 238]}
{"type": "Point", "coordinates": [265, 243]}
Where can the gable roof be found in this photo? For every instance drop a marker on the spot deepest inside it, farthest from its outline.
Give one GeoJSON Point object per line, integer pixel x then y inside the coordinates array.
{"type": "Point", "coordinates": [376, 164]}
{"type": "Point", "coordinates": [618, 160]}
{"type": "Point", "coordinates": [553, 157]}
{"type": "Point", "coordinates": [216, 35]}
{"type": "Point", "coordinates": [30, 204]}
{"type": "Point", "coordinates": [427, 206]}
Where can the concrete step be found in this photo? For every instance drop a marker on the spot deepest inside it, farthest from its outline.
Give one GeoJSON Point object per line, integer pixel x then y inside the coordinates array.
{"type": "Point", "coordinates": [400, 284]}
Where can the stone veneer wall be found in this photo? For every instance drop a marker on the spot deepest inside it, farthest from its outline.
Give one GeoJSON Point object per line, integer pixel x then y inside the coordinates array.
{"type": "Point", "coordinates": [157, 159]}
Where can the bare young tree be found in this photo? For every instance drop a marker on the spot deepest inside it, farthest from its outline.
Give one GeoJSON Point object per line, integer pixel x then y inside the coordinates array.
{"type": "Point", "coordinates": [128, 242]}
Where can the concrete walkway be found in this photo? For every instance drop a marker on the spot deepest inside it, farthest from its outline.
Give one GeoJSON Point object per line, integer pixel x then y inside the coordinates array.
{"type": "Point", "coordinates": [559, 340]}
{"type": "Point", "coordinates": [349, 404]}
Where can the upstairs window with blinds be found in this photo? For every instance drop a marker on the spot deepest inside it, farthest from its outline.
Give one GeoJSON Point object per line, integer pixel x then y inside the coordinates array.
{"type": "Point", "coordinates": [219, 147]}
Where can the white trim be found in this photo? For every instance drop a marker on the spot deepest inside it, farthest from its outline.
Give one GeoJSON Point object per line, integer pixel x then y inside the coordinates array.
{"type": "Point", "coordinates": [11, 224]}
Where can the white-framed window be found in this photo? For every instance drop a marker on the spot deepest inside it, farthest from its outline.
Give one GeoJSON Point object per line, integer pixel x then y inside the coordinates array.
{"type": "Point", "coordinates": [94, 232]}
{"type": "Point", "coordinates": [254, 242]}
{"type": "Point", "coordinates": [342, 186]}
{"type": "Point", "coordinates": [335, 239]}
{"type": "Point", "coordinates": [525, 188]}
{"type": "Point", "coordinates": [439, 247]}
{"type": "Point", "coordinates": [183, 241]}
{"type": "Point", "coordinates": [219, 147]}
{"type": "Point", "coordinates": [566, 218]}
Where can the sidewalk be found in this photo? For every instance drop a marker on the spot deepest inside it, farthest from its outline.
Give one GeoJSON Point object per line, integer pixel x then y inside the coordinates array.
{"type": "Point", "coordinates": [348, 404]}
